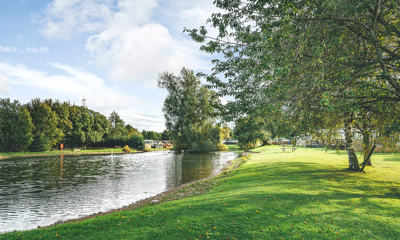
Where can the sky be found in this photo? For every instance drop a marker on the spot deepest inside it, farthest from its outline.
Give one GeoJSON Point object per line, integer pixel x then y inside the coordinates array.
{"type": "Point", "coordinates": [109, 52]}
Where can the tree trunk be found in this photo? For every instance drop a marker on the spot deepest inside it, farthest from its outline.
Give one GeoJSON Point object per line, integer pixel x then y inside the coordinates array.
{"type": "Point", "coordinates": [367, 159]}
{"type": "Point", "coordinates": [368, 149]}
{"type": "Point", "coordinates": [294, 144]}
{"type": "Point", "coordinates": [348, 129]}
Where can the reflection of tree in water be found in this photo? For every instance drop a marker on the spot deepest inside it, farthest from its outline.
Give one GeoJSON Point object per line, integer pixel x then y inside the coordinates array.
{"type": "Point", "coordinates": [196, 166]}
{"type": "Point", "coordinates": [61, 167]}
{"type": "Point", "coordinates": [174, 171]}
{"type": "Point", "coordinates": [184, 168]}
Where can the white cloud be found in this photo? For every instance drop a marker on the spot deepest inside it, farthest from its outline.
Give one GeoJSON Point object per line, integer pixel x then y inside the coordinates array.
{"type": "Point", "coordinates": [8, 49]}
{"type": "Point", "coordinates": [64, 18]}
{"type": "Point", "coordinates": [4, 87]}
{"type": "Point", "coordinates": [139, 54]}
{"type": "Point", "coordinates": [127, 39]}
{"type": "Point", "coordinates": [32, 50]}
{"type": "Point", "coordinates": [191, 13]}
{"type": "Point", "coordinates": [36, 50]}
{"type": "Point", "coordinates": [73, 83]}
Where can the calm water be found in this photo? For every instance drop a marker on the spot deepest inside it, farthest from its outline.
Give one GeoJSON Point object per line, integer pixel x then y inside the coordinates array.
{"type": "Point", "coordinates": [41, 191]}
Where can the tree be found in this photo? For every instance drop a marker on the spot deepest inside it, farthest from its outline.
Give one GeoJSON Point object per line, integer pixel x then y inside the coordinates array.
{"type": "Point", "coordinates": [225, 132]}
{"type": "Point", "coordinates": [166, 135]}
{"type": "Point", "coordinates": [136, 142]}
{"type": "Point", "coordinates": [62, 111]}
{"type": "Point", "coordinates": [45, 131]}
{"type": "Point", "coordinates": [118, 130]}
{"type": "Point", "coordinates": [15, 126]}
{"type": "Point", "coordinates": [248, 131]}
{"type": "Point", "coordinates": [98, 129]}
{"type": "Point", "coordinates": [151, 135]}
{"type": "Point", "coordinates": [132, 131]}
{"type": "Point", "coordinates": [190, 111]}
{"type": "Point", "coordinates": [306, 60]}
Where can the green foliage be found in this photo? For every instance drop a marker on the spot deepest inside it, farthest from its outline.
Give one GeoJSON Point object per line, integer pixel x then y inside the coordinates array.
{"type": "Point", "coordinates": [118, 129]}
{"type": "Point", "coordinates": [304, 65]}
{"type": "Point", "coordinates": [190, 111]}
{"type": "Point", "coordinates": [132, 131]}
{"type": "Point", "coordinates": [45, 131]}
{"type": "Point", "coordinates": [166, 135]}
{"type": "Point", "coordinates": [15, 127]}
{"type": "Point", "coordinates": [225, 132]}
{"type": "Point", "coordinates": [42, 125]}
{"type": "Point", "coordinates": [136, 142]}
{"type": "Point", "coordinates": [151, 135]}
{"type": "Point", "coordinates": [250, 131]}
{"type": "Point", "coordinates": [63, 120]}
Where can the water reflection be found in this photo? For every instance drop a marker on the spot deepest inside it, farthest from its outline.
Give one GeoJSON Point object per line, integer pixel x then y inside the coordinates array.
{"type": "Point", "coordinates": [40, 191]}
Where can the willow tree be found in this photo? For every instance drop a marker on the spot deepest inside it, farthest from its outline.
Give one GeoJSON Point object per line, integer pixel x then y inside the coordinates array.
{"type": "Point", "coordinates": [190, 112]}
{"type": "Point", "coordinates": [306, 61]}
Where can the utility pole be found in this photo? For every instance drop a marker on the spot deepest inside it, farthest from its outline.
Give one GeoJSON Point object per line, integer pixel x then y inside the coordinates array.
{"type": "Point", "coordinates": [84, 102]}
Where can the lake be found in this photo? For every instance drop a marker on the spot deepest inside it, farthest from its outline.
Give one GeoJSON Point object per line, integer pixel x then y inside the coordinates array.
{"type": "Point", "coordinates": [42, 191]}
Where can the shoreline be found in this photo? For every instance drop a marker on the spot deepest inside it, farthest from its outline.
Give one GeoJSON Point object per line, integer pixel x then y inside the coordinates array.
{"type": "Point", "coordinates": [229, 166]}
{"type": "Point", "coordinates": [33, 155]}
{"type": "Point", "coordinates": [2, 157]}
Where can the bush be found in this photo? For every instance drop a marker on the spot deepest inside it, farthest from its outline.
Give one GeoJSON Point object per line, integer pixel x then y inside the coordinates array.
{"type": "Point", "coordinates": [136, 142]}
{"type": "Point", "coordinates": [126, 149]}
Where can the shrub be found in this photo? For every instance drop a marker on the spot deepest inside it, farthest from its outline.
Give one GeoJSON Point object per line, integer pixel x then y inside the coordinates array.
{"type": "Point", "coordinates": [126, 149]}
{"type": "Point", "coordinates": [136, 142]}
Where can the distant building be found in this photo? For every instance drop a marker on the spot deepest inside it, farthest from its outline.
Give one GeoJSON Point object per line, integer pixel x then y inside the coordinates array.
{"type": "Point", "coordinates": [158, 144]}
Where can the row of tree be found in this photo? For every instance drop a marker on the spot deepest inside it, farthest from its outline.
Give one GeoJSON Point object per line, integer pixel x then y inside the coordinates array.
{"type": "Point", "coordinates": [309, 68]}
{"type": "Point", "coordinates": [42, 125]}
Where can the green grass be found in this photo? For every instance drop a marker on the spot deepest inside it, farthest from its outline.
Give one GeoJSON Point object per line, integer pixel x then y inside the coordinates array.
{"type": "Point", "coordinates": [308, 194]}
{"type": "Point", "coordinates": [233, 147]}
{"type": "Point", "coordinates": [56, 152]}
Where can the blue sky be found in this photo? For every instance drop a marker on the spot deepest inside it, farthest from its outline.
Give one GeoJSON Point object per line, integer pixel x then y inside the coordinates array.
{"type": "Point", "coordinates": [107, 51]}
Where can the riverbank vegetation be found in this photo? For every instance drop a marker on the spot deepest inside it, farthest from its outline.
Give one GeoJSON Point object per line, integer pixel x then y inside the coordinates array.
{"type": "Point", "coordinates": [309, 68]}
{"type": "Point", "coordinates": [308, 194]}
{"type": "Point", "coordinates": [45, 125]}
{"type": "Point", "coordinates": [190, 111]}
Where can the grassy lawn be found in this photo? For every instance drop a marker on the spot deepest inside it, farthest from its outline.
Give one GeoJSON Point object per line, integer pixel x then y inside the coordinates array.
{"type": "Point", "coordinates": [233, 147]}
{"type": "Point", "coordinates": [303, 195]}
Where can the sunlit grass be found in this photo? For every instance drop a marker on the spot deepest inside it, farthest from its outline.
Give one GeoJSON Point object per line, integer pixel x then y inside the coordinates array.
{"type": "Point", "coordinates": [59, 152]}
{"type": "Point", "coordinates": [308, 194]}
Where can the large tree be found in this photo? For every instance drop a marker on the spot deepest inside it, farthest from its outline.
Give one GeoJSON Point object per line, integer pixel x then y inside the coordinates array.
{"type": "Point", "coordinates": [190, 111]}
{"type": "Point", "coordinates": [306, 61]}
{"type": "Point", "coordinates": [15, 126]}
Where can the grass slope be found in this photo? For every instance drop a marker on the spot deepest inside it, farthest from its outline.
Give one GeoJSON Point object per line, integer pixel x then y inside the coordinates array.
{"type": "Point", "coordinates": [303, 195]}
